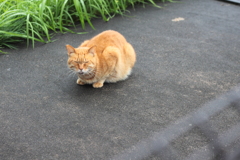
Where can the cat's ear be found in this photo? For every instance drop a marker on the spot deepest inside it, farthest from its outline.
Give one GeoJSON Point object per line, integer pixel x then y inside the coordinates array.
{"type": "Point", "coordinates": [92, 50]}
{"type": "Point", "coordinates": [70, 49]}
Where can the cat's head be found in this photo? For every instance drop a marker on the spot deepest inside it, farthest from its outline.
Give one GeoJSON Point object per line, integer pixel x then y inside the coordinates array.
{"type": "Point", "coordinates": [82, 60]}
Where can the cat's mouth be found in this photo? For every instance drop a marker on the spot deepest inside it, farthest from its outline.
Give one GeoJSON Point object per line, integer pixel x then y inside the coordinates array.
{"type": "Point", "coordinates": [80, 72]}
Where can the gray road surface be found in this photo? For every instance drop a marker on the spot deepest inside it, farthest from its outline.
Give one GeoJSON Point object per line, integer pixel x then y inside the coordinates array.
{"type": "Point", "coordinates": [180, 66]}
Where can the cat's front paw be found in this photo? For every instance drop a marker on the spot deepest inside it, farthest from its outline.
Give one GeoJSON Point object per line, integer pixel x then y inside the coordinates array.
{"type": "Point", "coordinates": [80, 82]}
{"type": "Point", "coordinates": [97, 85]}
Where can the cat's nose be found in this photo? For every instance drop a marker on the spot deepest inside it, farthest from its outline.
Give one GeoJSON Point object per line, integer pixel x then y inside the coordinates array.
{"type": "Point", "coordinates": [80, 71]}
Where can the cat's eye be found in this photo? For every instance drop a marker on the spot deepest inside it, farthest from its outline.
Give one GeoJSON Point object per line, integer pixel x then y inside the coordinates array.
{"type": "Point", "coordinates": [77, 62]}
{"type": "Point", "coordinates": [81, 62]}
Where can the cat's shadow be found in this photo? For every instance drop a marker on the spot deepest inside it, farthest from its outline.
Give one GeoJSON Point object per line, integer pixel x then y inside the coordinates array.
{"type": "Point", "coordinates": [87, 90]}
{"type": "Point", "coordinates": [86, 93]}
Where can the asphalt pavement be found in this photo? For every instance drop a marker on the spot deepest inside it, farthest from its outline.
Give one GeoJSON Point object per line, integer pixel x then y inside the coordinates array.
{"type": "Point", "coordinates": [187, 54]}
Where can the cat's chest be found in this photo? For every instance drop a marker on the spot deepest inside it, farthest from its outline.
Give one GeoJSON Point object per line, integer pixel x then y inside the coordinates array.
{"type": "Point", "coordinates": [88, 79]}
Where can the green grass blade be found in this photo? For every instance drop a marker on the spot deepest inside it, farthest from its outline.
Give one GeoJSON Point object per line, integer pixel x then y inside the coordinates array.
{"type": "Point", "coordinates": [61, 15]}
{"type": "Point", "coordinates": [80, 11]}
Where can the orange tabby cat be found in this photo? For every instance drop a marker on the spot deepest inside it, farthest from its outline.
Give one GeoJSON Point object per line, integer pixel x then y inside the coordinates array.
{"type": "Point", "coordinates": [107, 57]}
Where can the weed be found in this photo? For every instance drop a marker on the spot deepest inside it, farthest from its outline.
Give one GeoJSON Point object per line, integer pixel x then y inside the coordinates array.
{"type": "Point", "coordinates": [32, 20]}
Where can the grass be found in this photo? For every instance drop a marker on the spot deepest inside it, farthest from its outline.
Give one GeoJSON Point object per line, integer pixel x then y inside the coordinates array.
{"type": "Point", "coordinates": [32, 20]}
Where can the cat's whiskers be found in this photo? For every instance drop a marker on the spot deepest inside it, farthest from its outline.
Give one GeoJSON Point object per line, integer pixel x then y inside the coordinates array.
{"type": "Point", "coordinates": [71, 73]}
{"type": "Point", "coordinates": [92, 72]}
